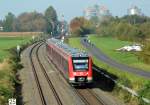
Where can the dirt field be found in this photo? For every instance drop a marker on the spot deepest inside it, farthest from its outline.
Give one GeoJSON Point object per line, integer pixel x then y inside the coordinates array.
{"type": "Point", "coordinates": [15, 34]}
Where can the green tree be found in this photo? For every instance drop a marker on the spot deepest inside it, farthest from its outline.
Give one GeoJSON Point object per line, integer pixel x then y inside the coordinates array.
{"type": "Point", "coordinates": [95, 20]}
{"type": "Point", "coordinates": [8, 22]}
{"type": "Point", "coordinates": [145, 29]}
{"type": "Point", "coordinates": [135, 19]}
{"type": "Point", "coordinates": [51, 19]}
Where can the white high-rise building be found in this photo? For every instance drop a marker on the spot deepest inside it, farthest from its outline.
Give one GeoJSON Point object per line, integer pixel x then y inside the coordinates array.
{"type": "Point", "coordinates": [96, 10]}
{"type": "Point", "coordinates": [90, 12]}
{"type": "Point", "coordinates": [134, 10]}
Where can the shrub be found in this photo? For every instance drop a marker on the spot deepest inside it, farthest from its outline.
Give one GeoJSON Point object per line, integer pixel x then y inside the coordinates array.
{"type": "Point", "coordinates": [123, 94]}
{"type": "Point", "coordinates": [145, 54]}
{"type": "Point", "coordinates": [145, 92]}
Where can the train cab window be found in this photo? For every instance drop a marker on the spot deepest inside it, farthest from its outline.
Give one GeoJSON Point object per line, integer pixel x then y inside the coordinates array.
{"type": "Point", "coordinates": [80, 64]}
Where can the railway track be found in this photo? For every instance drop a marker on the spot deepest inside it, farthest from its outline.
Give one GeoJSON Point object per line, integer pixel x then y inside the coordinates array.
{"type": "Point", "coordinates": [89, 97]}
{"type": "Point", "coordinates": [48, 79]}
{"type": "Point", "coordinates": [96, 97]}
{"type": "Point", "coordinates": [41, 93]}
{"type": "Point", "coordinates": [36, 77]}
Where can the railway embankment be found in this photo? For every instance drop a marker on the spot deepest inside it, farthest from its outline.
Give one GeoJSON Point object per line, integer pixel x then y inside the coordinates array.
{"type": "Point", "coordinates": [10, 65]}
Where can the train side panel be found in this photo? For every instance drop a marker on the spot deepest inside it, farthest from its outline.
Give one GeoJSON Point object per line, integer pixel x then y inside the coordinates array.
{"type": "Point", "coordinates": [58, 60]}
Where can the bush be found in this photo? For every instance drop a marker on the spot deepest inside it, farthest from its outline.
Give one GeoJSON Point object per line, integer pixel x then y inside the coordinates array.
{"type": "Point", "coordinates": [123, 94]}
{"type": "Point", "coordinates": [145, 54]}
{"type": "Point", "coordinates": [6, 92]}
{"type": "Point", "coordinates": [145, 92]}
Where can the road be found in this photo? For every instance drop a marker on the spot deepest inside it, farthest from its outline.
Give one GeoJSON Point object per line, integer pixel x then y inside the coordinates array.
{"type": "Point", "coordinates": [103, 57]}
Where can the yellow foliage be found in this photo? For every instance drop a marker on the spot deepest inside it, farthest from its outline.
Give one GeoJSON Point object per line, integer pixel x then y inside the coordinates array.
{"type": "Point", "coordinates": [4, 65]}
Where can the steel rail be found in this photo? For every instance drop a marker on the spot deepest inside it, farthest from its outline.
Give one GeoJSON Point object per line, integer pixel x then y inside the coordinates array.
{"type": "Point", "coordinates": [98, 98]}
{"type": "Point", "coordinates": [36, 76]}
{"type": "Point", "coordinates": [47, 78]}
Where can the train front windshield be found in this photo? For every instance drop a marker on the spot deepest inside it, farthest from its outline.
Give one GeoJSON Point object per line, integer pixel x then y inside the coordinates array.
{"type": "Point", "coordinates": [80, 63]}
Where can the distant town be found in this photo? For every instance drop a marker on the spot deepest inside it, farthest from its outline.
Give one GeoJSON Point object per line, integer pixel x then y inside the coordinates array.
{"type": "Point", "coordinates": [101, 10]}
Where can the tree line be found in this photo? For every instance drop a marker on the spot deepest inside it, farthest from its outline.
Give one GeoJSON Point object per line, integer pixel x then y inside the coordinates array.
{"type": "Point", "coordinates": [130, 28]}
{"type": "Point", "coordinates": [31, 21]}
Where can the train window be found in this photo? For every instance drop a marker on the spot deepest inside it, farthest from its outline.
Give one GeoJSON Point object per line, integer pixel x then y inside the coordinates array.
{"type": "Point", "coordinates": [80, 63]}
{"type": "Point", "coordinates": [80, 66]}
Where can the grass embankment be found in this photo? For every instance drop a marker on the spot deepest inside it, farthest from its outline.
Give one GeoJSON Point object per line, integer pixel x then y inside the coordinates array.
{"type": "Point", "coordinates": [6, 85]}
{"type": "Point", "coordinates": [109, 45]}
{"type": "Point", "coordinates": [8, 66]}
{"type": "Point", "coordinates": [130, 80]}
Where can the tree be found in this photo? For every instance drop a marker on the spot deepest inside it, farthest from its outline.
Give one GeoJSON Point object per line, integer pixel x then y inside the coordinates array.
{"type": "Point", "coordinates": [135, 19]}
{"type": "Point", "coordinates": [16, 25]}
{"type": "Point", "coordinates": [75, 26]}
{"type": "Point", "coordinates": [79, 26]}
{"type": "Point", "coordinates": [32, 21]}
{"type": "Point", "coordinates": [94, 20]}
{"type": "Point", "coordinates": [51, 19]}
{"type": "Point", "coordinates": [8, 22]}
{"type": "Point", "coordinates": [145, 29]}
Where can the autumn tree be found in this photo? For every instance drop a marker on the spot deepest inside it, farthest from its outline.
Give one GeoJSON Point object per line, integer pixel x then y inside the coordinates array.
{"type": "Point", "coordinates": [32, 21]}
{"type": "Point", "coordinates": [79, 26]}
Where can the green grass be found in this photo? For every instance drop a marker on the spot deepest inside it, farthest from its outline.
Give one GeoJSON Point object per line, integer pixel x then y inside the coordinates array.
{"type": "Point", "coordinates": [7, 75]}
{"type": "Point", "coordinates": [75, 42]}
{"type": "Point", "coordinates": [108, 46]}
{"type": "Point", "coordinates": [8, 42]}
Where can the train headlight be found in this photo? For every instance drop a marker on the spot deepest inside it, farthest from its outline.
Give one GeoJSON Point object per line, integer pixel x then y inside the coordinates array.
{"type": "Point", "coordinates": [75, 73]}
{"type": "Point", "coordinates": [89, 78]}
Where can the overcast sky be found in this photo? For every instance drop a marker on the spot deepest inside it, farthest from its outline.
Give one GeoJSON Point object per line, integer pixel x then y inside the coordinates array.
{"type": "Point", "coordinates": [70, 8]}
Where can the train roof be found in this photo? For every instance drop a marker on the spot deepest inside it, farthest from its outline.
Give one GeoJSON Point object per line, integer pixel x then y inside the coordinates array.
{"type": "Point", "coordinates": [74, 52]}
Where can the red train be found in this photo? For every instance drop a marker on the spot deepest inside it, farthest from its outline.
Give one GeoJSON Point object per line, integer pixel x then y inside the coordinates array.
{"type": "Point", "coordinates": [75, 65]}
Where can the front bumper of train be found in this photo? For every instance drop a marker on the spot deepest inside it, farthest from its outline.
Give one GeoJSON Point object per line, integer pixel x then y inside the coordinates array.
{"type": "Point", "coordinates": [80, 80]}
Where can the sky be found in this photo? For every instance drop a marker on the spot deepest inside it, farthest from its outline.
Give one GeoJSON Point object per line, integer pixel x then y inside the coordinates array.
{"type": "Point", "coordinates": [70, 8]}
